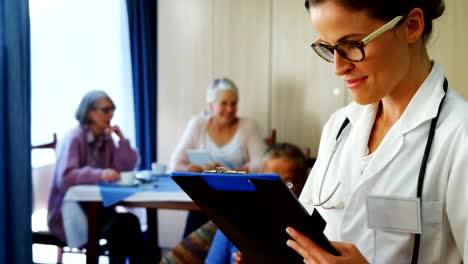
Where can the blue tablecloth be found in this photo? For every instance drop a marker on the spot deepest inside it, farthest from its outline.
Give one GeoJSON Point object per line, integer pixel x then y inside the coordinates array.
{"type": "Point", "coordinates": [112, 193]}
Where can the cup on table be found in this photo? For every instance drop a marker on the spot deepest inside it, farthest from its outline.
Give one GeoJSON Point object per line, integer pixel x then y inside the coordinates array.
{"type": "Point", "coordinates": [127, 178]}
{"type": "Point", "coordinates": [158, 168]}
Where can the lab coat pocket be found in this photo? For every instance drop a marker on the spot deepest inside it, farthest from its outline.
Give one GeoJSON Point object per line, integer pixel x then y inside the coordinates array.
{"type": "Point", "coordinates": [394, 242]}
{"type": "Point", "coordinates": [396, 214]}
{"type": "Point", "coordinates": [394, 220]}
{"type": "Point", "coordinates": [431, 237]}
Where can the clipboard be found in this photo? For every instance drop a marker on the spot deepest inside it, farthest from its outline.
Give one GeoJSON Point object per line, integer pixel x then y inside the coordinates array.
{"type": "Point", "coordinates": [199, 157]}
{"type": "Point", "coordinates": [253, 211]}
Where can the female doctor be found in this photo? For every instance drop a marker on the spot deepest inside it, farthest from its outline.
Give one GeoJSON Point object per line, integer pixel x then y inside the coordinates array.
{"type": "Point", "coordinates": [391, 178]}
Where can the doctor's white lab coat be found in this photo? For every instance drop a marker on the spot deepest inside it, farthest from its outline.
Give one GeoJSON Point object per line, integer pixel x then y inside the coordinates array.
{"type": "Point", "coordinates": [392, 175]}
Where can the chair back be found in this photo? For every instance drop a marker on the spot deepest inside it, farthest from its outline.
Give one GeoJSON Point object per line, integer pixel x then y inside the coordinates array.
{"type": "Point", "coordinates": [50, 145]}
{"type": "Point", "coordinates": [41, 181]}
{"type": "Point", "coordinates": [270, 139]}
{"type": "Point", "coordinates": [309, 161]}
{"type": "Point", "coordinates": [42, 175]}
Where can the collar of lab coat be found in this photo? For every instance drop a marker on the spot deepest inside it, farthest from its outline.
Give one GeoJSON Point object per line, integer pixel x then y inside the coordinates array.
{"type": "Point", "coordinates": [422, 107]}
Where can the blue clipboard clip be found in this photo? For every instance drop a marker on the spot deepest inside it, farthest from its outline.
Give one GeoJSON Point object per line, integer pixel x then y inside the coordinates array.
{"type": "Point", "coordinates": [223, 179]}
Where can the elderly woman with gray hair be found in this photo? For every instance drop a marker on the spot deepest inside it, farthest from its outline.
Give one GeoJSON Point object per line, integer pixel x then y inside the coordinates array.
{"type": "Point", "coordinates": [233, 142]}
{"type": "Point", "coordinates": [88, 155]}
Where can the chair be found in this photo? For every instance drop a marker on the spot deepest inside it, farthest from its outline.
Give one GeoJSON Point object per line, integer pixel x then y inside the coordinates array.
{"type": "Point", "coordinates": [45, 237]}
{"type": "Point", "coordinates": [309, 161]}
{"type": "Point", "coordinates": [50, 145]}
{"type": "Point", "coordinates": [270, 139]}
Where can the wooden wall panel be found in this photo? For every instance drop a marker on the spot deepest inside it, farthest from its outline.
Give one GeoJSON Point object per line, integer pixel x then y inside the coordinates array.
{"type": "Point", "coordinates": [241, 51]}
{"type": "Point", "coordinates": [305, 90]}
{"type": "Point", "coordinates": [449, 44]}
{"type": "Point", "coordinates": [184, 66]}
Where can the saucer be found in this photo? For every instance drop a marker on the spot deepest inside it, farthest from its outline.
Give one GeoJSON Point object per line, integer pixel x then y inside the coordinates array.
{"type": "Point", "coordinates": [133, 184]}
{"type": "Point", "coordinates": [151, 185]}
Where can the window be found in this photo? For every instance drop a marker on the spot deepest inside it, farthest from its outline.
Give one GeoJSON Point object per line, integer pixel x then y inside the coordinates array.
{"type": "Point", "coordinates": [77, 46]}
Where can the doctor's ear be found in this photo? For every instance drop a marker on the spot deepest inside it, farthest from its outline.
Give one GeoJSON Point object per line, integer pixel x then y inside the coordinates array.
{"type": "Point", "coordinates": [413, 25]}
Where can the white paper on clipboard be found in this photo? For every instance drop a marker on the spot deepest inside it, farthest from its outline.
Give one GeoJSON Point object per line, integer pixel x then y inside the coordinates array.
{"type": "Point", "coordinates": [200, 157]}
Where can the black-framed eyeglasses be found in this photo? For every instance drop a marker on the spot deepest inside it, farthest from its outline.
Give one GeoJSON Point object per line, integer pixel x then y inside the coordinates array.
{"type": "Point", "coordinates": [105, 110]}
{"type": "Point", "coordinates": [351, 50]}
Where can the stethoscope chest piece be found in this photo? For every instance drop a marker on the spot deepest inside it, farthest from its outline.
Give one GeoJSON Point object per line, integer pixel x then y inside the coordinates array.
{"type": "Point", "coordinates": [340, 205]}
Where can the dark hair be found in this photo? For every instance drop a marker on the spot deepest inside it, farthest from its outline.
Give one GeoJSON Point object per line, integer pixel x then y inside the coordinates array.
{"type": "Point", "coordinates": [292, 152]}
{"type": "Point", "coordinates": [387, 10]}
{"type": "Point", "coordinates": [88, 103]}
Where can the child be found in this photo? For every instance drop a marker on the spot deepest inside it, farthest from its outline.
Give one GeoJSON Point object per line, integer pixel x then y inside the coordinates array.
{"type": "Point", "coordinates": [284, 159]}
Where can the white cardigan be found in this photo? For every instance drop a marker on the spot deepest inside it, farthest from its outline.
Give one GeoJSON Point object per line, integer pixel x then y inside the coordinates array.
{"type": "Point", "coordinates": [194, 137]}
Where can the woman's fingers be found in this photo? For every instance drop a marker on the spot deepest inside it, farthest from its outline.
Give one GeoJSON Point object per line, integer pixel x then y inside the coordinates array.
{"type": "Point", "coordinates": [194, 168]}
{"type": "Point", "coordinates": [117, 131]}
{"type": "Point", "coordinates": [211, 166]}
{"type": "Point", "coordinates": [311, 260]}
{"type": "Point", "coordinates": [349, 253]}
{"type": "Point", "coordinates": [312, 253]}
{"type": "Point", "coordinates": [302, 240]}
{"type": "Point", "coordinates": [297, 247]}
{"type": "Point", "coordinates": [237, 256]}
{"type": "Point", "coordinates": [307, 248]}
{"type": "Point", "coordinates": [308, 259]}
{"type": "Point", "coordinates": [110, 175]}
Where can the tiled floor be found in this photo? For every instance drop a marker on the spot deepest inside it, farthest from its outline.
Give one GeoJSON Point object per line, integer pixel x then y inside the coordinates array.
{"type": "Point", "coordinates": [48, 254]}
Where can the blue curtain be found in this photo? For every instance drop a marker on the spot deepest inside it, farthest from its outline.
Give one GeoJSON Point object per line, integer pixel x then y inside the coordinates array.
{"type": "Point", "coordinates": [15, 133]}
{"type": "Point", "coordinates": [142, 27]}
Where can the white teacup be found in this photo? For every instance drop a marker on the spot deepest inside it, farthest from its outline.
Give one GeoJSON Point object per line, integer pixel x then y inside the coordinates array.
{"type": "Point", "coordinates": [158, 168]}
{"type": "Point", "coordinates": [127, 178]}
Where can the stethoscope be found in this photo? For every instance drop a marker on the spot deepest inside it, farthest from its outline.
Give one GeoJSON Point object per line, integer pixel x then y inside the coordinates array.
{"type": "Point", "coordinates": [321, 203]}
{"type": "Point", "coordinates": [340, 205]}
{"type": "Point", "coordinates": [422, 170]}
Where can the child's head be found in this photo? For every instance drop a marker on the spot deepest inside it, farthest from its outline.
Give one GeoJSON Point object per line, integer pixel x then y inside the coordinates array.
{"type": "Point", "coordinates": [288, 161]}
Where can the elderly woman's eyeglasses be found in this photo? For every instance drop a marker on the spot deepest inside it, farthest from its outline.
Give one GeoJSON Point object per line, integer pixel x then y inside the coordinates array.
{"type": "Point", "coordinates": [105, 110]}
{"type": "Point", "coordinates": [351, 50]}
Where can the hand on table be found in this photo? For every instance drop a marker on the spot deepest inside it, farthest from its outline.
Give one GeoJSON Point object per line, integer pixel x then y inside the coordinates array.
{"type": "Point", "coordinates": [194, 168]}
{"type": "Point", "coordinates": [315, 254]}
{"type": "Point", "coordinates": [212, 166]}
{"type": "Point", "coordinates": [243, 168]}
{"type": "Point", "coordinates": [110, 175]}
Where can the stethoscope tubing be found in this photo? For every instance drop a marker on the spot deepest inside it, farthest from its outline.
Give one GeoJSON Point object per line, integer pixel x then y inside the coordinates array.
{"type": "Point", "coordinates": [320, 201]}
{"type": "Point", "coordinates": [335, 148]}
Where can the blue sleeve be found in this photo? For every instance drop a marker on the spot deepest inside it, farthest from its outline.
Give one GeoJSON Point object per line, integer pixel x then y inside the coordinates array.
{"type": "Point", "coordinates": [220, 251]}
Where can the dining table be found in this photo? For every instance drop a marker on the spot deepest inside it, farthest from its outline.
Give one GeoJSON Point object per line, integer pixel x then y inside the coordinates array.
{"type": "Point", "coordinates": [159, 193]}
